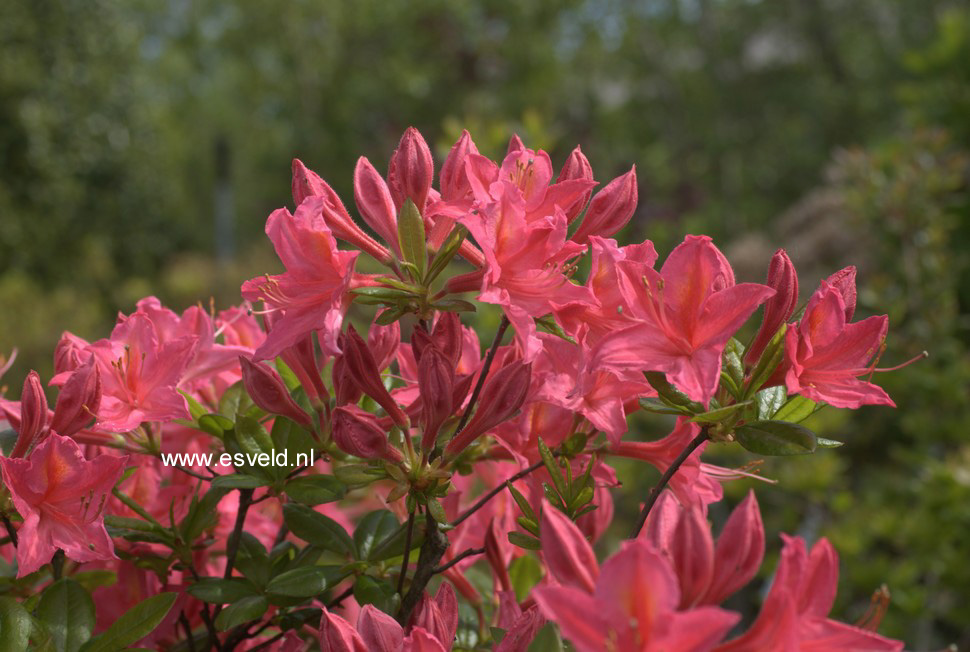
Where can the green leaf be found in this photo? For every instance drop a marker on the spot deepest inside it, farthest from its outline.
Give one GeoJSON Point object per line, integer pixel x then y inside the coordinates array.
{"type": "Point", "coordinates": [313, 527]}
{"type": "Point", "coordinates": [67, 611]}
{"type": "Point", "coordinates": [222, 591]}
{"type": "Point", "coordinates": [524, 572]}
{"type": "Point", "coordinates": [358, 475]}
{"type": "Point", "coordinates": [446, 253]}
{"type": "Point", "coordinates": [549, 325]}
{"type": "Point", "coordinates": [134, 625]}
{"type": "Point", "coordinates": [523, 504]}
{"type": "Point", "coordinates": [733, 353]}
{"type": "Point", "coordinates": [380, 593]}
{"type": "Point", "coordinates": [202, 514]}
{"type": "Point", "coordinates": [659, 407]}
{"type": "Point", "coordinates": [454, 305]}
{"type": "Point", "coordinates": [393, 546]}
{"type": "Point", "coordinates": [771, 357]}
{"type": "Point", "coordinates": [252, 560]}
{"type": "Point", "coordinates": [235, 401]}
{"type": "Point", "coordinates": [390, 316]}
{"type": "Point", "coordinates": [776, 438]}
{"type": "Point", "coordinates": [770, 400]}
{"type": "Point", "coordinates": [374, 528]}
{"type": "Point", "coordinates": [238, 481]}
{"type": "Point", "coordinates": [549, 460]}
{"type": "Point", "coordinates": [315, 489]}
{"type": "Point", "coordinates": [215, 425]}
{"type": "Point", "coordinates": [437, 511]}
{"type": "Point", "coordinates": [14, 626]}
{"type": "Point", "coordinates": [247, 609]}
{"type": "Point", "coordinates": [196, 409]}
{"type": "Point", "coordinates": [796, 410]}
{"type": "Point", "coordinates": [828, 443]}
{"type": "Point", "coordinates": [524, 541]}
{"type": "Point", "coordinates": [546, 640]}
{"type": "Point", "coordinates": [720, 414]}
{"type": "Point", "coordinates": [303, 582]}
{"type": "Point", "coordinates": [410, 234]}
{"type": "Point", "coordinates": [670, 394]}
{"type": "Point", "coordinates": [383, 295]}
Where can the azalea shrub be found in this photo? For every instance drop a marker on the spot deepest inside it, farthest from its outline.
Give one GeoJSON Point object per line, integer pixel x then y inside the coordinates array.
{"type": "Point", "coordinates": [271, 477]}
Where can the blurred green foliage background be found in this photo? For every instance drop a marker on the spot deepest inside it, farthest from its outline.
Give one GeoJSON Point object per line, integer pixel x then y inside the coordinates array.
{"type": "Point", "coordinates": [142, 145]}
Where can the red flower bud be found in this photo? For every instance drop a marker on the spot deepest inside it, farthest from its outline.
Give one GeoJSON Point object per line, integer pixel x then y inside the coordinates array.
{"type": "Point", "coordinates": [362, 368]}
{"type": "Point", "coordinates": [410, 172]}
{"type": "Point", "coordinates": [784, 281]}
{"type": "Point", "coordinates": [436, 378]}
{"type": "Point", "coordinates": [357, 433]}
{"type": "Point", "coordinates": [454, 183]}
{"type": "Point", "coordinates": [503, 395]}
{"type": "Point", "coordinates": [301, 358]}
{"type": "Point", "coordinates": [739, 551]}
{"type": "Point", "coordinates": [383, 342]}
{"type": "Point", "coordinates": [344, 388]}
{"type": "Point", "coordinates": [576, 167]}
{"type": "Point", "coordinates": [448, 336]}
{"type": "Point", "coordinates": [438, 616]}
{"type": "Point", "coordinates": [78, 400]}
{"type": "Point", "coordinates": [493, 553]}
{"type": "Point", "coordinates": [844, 282]}
{"type": "Point", "coordinates": [307, 183]}
{"type": "Point", "coordinates": [611, 208]}
{"type": "Point", "coordinates": [268, 391]}
{"type": "Point", "coordinates": [33, 415]}
{"type": "Point", "coordinates": [67, 354]}
{"type": "Point", "coordinates": [693, 556]}
{"type": "Point", "coordinates": [374, 202]}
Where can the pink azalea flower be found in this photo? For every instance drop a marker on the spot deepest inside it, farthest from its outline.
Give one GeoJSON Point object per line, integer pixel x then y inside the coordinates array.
{"type": "Point", "coordinates": [312, 292]}
{"type": "Point", "coordinates": [795, 613]}
{"type": "Point", "coordinates": [140, 374]}
{"type": "Point", "coordinates": [61, 498]}
{"type": "Point", "coordinates": [629, 604]}
{"type": "Point", "coordinates": [687, 313]}
{"type": "Point", "coordinates": [825, 354]}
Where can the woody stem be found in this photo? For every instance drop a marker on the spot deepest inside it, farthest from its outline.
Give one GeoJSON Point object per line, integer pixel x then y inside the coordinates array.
{"type": "Point", "coordinates": [481, 378]}
{"type": "Point", "coordinates": [11, 532]}
{"type": "Point", "coordinates": [701, 437]}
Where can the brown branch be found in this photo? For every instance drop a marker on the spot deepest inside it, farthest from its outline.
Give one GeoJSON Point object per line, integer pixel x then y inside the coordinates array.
{"type": "Point", "coordinates": [232, 549]}
{"type": "Point", "coordinates": [701, 437]}
{"type": "Point", "coordinates": [496, 491]}
{"type": "Point", "coordinates": [407, 553]}
{"type": "Point", "coordinates": [461, 556]}
{"type": "Point", "coordinates": [11, 532]}
{"type": "Point", "coordinates": [432, 550]}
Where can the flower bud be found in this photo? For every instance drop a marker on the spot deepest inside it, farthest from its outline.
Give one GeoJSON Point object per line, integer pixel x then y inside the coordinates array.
{"type": "Point", "coordinates": [268, 391]}
{"type": "Point", "coordinates": [738, 553]}
{"type": "Point", "coordinates": [410, 172]}
{"type": "Point", "coordinates": [438, 616]}
{"type": "Point", "coordinates": [363, 369]}
{"type": "Point", "coordinates": [307, 183]}
{"type": "Point", "coordinates": [493, 553]}
{"type": "Point", "coordinates": [515, 144]}
{"type": "Point", "coordinates": [436, 377]}
{"type": "Point", "coordinates": [576, 167]}
{"type": "Point", "coordinates": [356, 432]}
{"type": "Point", "coordinates": [301, 358]}
{"type": "Point", "coordinates": [567, 554]}
{"type": "Point", "coordinates": [784, 281]}
{"type": "Point", "coordinates": [67, 353]}
{"type": "Point", "coordinates": [503, 395]}
{"type": "Point", "coordinates": [344, 388]}
{"type": "Point", "coordinates": [420, 340]}
{"type": "Point", "coordinates": [374, 202]}
{"type": "Point", "coordinates": [692, 556]}
{"type": "Point", "coordinates": [78, 401]}
{"type": "Point", "coordinates": [611, 208]}
{"type": "Point", "coordinates": [454, 183]}
{"type": "Point", "coordinates": [337, 635]}
{"type": "Point", "coordinates": [844, 282]}
{"type": "Point", "coordinates": [380, 632]}
{"type": "Point", "coordinates": [383, 342]}
{"type": "Point", "coordinates": [33, 415]}
{"type": "Point", "coordinates": [448, 336]}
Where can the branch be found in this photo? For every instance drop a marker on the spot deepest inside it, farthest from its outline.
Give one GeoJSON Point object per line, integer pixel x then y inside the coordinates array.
{"type": "Point", "coordinates": [245, 500]}
{"type": "Point", "coordinates": [496, 491]}
{"type": "Point", "coordinates": [407, 553]}
{"type": "Point", "coordinates": [432, 550]}
{"type": "Point", "coordinates": [11, 532]}
{"type": "Point", "coordinates": [462, 555]}
{"type": "Point", "coordinates": [701, 437]}
{"type": "Point", "coordinates": [503, 325]}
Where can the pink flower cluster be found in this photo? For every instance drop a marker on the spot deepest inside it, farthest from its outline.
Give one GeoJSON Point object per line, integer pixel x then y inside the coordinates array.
{"type": "Point", "coordinates": [427, 455]}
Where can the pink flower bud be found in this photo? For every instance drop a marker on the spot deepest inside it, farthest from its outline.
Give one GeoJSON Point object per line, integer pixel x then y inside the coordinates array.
{"type": "Point", "coordinates": [337, 635]}
{"type": "Point", "coordinates": [301, 358]}
{"type": "Point", "coordinates": [411, 170]}
{"type": "Point", "coordinates": [692, 556]}
{"type": "Point", "coordinates": [363, 369]}
{"type": "Point", "coordinates": [78, 400]}
{"type": "Point", "coordinates": [496, 559]}
{"type": "Point", "coordinates": [356, 432]}
{"type": "Point", "coordinates": [380, 632]}
{"type": "Point", "coordinates": [454, 183]}
{"type": "Point", "coordinates": [383, 342]}
{"type": "Point", "coordinates": [844, 282]}
{"type": "Point", "coordinates": [436, 378]}
{"type": "Point", "coordinates": [576, 167]}
{"type": "Point", "coordinates": [448, 336]}
{"type": "Point", "coordinates": [33, 415]}
{"type": "Point", "coordinates": [611, 208]}
{"type": "Point", "coordinates": [344, 388]}
{"type": "Point", "coordinates": [268, 391]}
{"type": "Point", "coordinates": [420, 340]}
{"type": "Point", "coordinates": [503, 395]}
{"type": "Point", "coordinates": [567, 554]}
{"type": "Point", "coordinates": [439, 616]}
{"type": "Point", "coordinates": [739, 551]}
{"type": "Point", "coordinates": [374, 202]}
{"type": "Point", "coordinates": [307, 183]}
{"type": "Point", "coordinates": [784, 281]}
{"type": "Point", "coordinates": [67, 354]}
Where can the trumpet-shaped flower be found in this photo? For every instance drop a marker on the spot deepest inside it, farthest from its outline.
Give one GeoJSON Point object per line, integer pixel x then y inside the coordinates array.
{"type": "Point", "coordinates": [687, 312]}
{"type": "Point", "coordinates": [61, 497]}
{"type": "Point", "coordinates": [825, 354]}
{"type": "Point", "coordinates": [312, 292]}
{"type": "Point", "coordinates": [628, 604]}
